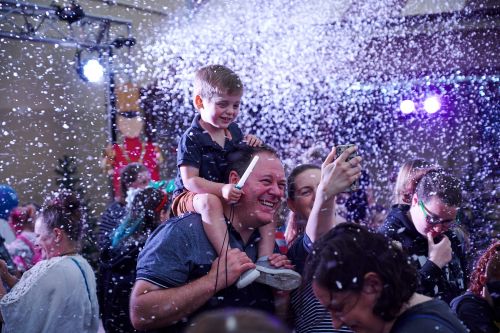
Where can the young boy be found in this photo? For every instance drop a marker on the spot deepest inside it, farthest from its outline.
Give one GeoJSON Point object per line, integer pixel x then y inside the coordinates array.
{"type": "Point", "coordinates": [201, 161]}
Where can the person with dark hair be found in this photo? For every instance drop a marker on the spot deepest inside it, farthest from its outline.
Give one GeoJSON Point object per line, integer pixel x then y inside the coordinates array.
{"type": "Point", "coordinates": [366, 283]}
{"type": "Point", "coordinates": [132, 176]}
{"type": "Point", "coordinates": [314, 196]}
{"type": "Point", "coordinates": [425, 231]}
{"type": "Point", "coordinates": [301, 191]}
{"type": "Point", "coordinates": [479, 307]}
{"type": "Point", "coordinates": [179, 272]}
{"type": "Point", "coordinates": [58, 294]}
{"type": "Point", "coordinates": [118, 260]}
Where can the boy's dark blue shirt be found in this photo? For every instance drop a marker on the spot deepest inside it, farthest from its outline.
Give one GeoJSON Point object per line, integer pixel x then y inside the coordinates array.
{"type": "Point", "coordinates": [197, 149]}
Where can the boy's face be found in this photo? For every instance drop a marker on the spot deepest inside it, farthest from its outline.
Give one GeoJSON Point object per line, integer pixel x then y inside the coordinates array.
{"type": "Point", "coordinates": [219, 111]}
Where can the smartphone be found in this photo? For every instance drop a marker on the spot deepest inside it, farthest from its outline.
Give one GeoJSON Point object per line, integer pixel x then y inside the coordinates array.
{"type": "Point", "coordinates": [339, 150]}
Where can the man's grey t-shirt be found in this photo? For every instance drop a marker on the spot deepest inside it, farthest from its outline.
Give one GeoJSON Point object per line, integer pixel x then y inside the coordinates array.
{"type": "Point", "coordinates": [179, 251]}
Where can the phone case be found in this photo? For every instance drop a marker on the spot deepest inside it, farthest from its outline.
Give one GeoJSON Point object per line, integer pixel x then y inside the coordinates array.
{"type": "Point", "coordinates": [339, 150]}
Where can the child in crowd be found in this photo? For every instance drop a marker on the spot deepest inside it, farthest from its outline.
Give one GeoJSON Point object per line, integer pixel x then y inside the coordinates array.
{"type": "Point", "coordinates": [202, 164]}
{"type": "Point", "coordinates": [23, 251]}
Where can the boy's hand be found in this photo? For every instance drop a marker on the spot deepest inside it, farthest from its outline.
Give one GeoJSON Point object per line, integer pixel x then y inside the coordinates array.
{"type": "Point", "coordinates": [230, 193]}
{"type": "Point", "coordinates": [252, 140]}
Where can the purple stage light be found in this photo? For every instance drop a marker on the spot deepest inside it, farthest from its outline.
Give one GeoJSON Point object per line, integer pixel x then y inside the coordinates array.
{"type": "Point", "coordinates": [407, 106]}
{"type": "Point", "coordinates": [432, 104]}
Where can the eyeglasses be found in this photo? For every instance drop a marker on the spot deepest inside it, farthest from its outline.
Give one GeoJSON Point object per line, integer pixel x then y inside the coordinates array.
{"type": "Point", "coordinates": [435, 220]}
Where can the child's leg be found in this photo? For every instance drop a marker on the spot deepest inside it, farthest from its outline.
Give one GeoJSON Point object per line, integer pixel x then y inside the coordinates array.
{"type": "Point", "coordinates": [267, 241]}
{"type": "Point", "coordinates": [210, 208]}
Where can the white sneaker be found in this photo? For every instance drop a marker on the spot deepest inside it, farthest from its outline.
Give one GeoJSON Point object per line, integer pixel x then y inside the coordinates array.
{"type": "Point", "coordinates": [247, 277]}
{"type": "Point", "coordinates": [279, 278]}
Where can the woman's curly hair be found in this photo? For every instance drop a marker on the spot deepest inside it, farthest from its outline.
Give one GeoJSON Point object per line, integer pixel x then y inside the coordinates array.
{"type": "Point", "coordinates": [487, 260]}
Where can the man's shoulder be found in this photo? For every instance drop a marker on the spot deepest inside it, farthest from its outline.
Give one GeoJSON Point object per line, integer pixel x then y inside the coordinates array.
{"type": "Point", "coordinates": [185, 224]}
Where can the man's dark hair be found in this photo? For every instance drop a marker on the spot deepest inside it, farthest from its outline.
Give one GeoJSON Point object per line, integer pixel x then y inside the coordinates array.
{"type": "Point", "coordinates": [239, 159]}
{"type": "Point", "coordinates": [293, 175]}
{"type": "Point", "coordinates": [342, 257]}
{"type": "Point", "coordinates": [442, 185]}
{"type": "Point", "coordinates": [128, 175]}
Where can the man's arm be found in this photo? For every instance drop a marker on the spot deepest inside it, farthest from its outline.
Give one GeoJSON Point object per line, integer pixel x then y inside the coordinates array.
{"type": "Point", "coordinates": [196, 184]}
{"type": "Point", "coordinates": [154, 307]}
{"type": "Point", "coordinates": [336, 176]}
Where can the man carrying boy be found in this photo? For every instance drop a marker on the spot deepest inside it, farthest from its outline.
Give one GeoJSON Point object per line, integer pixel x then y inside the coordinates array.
{"type": "Point", "coordinates": [201, 161]}
{"type": "Point", "coordinates": [179, 274]}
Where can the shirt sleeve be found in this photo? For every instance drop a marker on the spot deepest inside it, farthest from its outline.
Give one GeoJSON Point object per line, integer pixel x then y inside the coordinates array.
{"type": "Point", "coordinates": [189, 150]}
{"type": "Point", "coordinates": [299, 251]}
{"type": "Point", "coordinates": [164, 260]}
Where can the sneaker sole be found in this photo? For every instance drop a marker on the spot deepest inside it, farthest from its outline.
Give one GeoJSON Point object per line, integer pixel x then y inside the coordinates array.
{"type": "Point", "coordinates": [282, 279]}
{"type": "Point", "coordinates": [247, 277]}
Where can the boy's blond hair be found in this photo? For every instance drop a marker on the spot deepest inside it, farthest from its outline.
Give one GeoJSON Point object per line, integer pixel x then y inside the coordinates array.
{"type": "Point", "coordinates": [213, 80]}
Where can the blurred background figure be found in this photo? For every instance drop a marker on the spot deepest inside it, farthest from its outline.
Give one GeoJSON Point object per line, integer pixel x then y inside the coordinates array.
{"type": "Point", "coordinates": [8, 201]}
{"type": "Point", "coordinates": [236, 320]}
{"type": "Point", "coordinates": [23, 249]}
{"type": "Point", "coordinates": [479, 307]}
{"type": "Point", "coordinates": [118, 259]}
{"type": "Point", "coordinates": [132, 176]}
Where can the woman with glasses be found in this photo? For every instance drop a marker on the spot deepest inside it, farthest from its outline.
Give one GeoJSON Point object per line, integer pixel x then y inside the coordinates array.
{"type": "Point", "coordinates": [366, 283]}
{"type": "Point", "coordinates": [424, 228]}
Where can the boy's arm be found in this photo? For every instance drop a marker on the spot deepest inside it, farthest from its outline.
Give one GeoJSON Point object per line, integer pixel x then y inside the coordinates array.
{"type": "Point", "coordinates": [196, 184]}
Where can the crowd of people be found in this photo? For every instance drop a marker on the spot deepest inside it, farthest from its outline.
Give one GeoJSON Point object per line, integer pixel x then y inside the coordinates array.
{"type": "Point", "coordinates": [207, 259]}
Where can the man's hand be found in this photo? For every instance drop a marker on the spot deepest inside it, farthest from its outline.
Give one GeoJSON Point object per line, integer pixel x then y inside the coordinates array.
{"type": "Point", "coordinates": [236, 263]}
{"type": "Point", "coordinates": [337, 175]}
{"type": "Point", "coordinates": [252, 140]}
{"type": "Point", "coordinates": [230, 193]}
{"type": "Point", "coordinates": [439, 253]}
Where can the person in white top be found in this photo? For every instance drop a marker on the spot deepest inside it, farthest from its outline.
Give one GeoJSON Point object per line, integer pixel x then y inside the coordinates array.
{"type": "Point", "coordinates": [58, 294]}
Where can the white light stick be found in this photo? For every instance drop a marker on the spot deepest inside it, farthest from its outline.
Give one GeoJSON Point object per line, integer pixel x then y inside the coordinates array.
{"type": "Point", "coordinates": [243, 179]}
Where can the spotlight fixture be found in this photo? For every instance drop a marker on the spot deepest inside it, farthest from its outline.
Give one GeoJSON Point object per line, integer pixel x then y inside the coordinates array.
{"type": "Point", "coordinates": [123, 41]}
{"type": "Point", "coordinates": [407, 106]}
{"type": "Point", "coordinates": [432, 104]}
{"type": "Point", "coordinates": [70, 13]}
{"type": "Point", "coordinates": [89, 66]}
